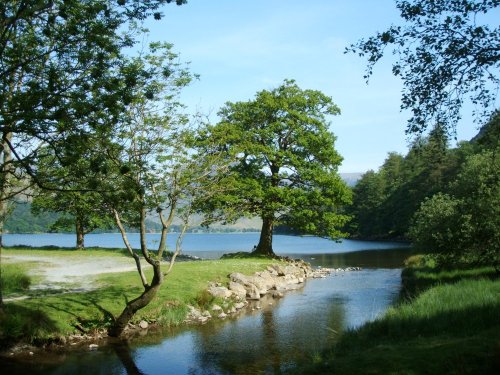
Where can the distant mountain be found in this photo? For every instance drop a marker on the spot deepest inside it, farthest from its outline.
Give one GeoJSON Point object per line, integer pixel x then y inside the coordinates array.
{"type": "Point", "coordinates": [351, 178]}
{"type": "Point", "coordinates": [21, 220]}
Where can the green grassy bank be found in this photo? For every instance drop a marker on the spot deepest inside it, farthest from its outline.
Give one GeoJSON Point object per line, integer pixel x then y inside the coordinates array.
{"type": "Point", "coordinates": [53, 317]}
{"type": "Point", "coordinates": [451, 325]}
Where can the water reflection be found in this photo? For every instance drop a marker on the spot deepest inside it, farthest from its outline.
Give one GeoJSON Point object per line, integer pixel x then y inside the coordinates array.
{"type": "Point", "coordinates": [275, 337]}
{"type": "Point", "coordinates": [272, 337]}
{"type": "Point", "coordinates": [383, 258]}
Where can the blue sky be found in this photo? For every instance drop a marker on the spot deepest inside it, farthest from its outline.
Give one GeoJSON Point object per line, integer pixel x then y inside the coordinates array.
{"type": "Point", "coordinates": [239, 47]}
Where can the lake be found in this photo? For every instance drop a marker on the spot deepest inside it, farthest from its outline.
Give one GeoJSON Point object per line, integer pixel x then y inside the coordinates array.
{"type": "Point", "coordinates": [205, 245]}
{"type": "Point", "coordinates": [269, 337]}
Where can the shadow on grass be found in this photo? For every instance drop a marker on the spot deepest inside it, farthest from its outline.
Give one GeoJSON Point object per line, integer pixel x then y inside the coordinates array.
{"type": "Point", "coordinates": [19, 323]}
{"type": "Point", "coordinates": [416, 280]}
{"type": "Point", "coordinates": [86, 318]}
{"type": "Point", "coordinates": [447, 341]}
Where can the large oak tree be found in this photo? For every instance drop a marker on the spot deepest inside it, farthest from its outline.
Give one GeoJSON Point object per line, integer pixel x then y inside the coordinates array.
{"type": "Point", "coordinates": [283, 163]}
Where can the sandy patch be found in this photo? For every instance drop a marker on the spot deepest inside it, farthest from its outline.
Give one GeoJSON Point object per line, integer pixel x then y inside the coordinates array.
{"type": "Point", "coordinates": [75, 273]}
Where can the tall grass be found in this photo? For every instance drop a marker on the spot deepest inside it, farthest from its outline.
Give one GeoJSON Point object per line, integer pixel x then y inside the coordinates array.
{"type": "Point", "coordinates": [455, 309]}
{"type": "Point", "coordinates": [15, 279]}
{"type": "Point", "coordinates": [447, 322]}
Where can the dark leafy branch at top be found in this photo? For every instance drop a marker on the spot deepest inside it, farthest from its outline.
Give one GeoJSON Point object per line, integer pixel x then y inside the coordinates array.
{"type": "Point", "coordinates": [446, 54]}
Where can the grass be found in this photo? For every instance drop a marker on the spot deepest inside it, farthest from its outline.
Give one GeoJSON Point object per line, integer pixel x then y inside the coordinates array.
{"type": "Point", "coordinates": [452, 327]}
{"type": "Point", "coordinates": [54, 317]}
{"type": "Point", "coordinates": [59, 251]}
{"type": "Point", "coordinates": [15, 278]}
{"type": "Point", "coordinates": [422, 272]}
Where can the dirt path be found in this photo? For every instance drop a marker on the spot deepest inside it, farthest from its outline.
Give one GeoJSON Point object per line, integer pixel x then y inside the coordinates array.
{"type": "Point", "coordinates": [73, 273]}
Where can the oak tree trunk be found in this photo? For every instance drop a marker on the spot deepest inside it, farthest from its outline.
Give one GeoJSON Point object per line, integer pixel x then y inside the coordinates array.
{"type": "Point", "coordinates": [80, 235]}
{"type": "Point", "coordinates": [265, 246]}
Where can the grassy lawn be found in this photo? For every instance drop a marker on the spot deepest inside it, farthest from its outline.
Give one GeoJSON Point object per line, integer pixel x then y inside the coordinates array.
{"type": "Point", "coordinates": [54, 316]}
{"type": "Point", "coordinates": [453, 327]}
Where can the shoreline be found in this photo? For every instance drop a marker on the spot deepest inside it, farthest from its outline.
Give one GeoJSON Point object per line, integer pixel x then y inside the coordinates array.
{"type": "Point", "coordinates": [97, 335]}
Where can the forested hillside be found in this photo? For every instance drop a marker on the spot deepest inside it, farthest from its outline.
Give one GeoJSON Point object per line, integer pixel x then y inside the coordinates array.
{"type": "Point", "coordinates": [386, 201]}
{"type": "Point", "coordinates": [21, 220]}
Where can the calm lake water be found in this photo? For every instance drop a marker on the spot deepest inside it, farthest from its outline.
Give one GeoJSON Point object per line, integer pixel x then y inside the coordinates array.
{"type": "Point", "coordinates": [271, 336]}
{"type": "Point", "coordinates": [205, 245]}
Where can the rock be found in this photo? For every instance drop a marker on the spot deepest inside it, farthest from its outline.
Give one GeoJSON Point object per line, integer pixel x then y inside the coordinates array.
{"type": "Point", "coordinates": [252, 292]}
{"type": "Point", "coordinates": [279, 270]}
{"type": "Point", "coordinates": [143, 324]}
{"type": "Point", "coordinates": [239, 305]}
{"type": "Point", "coordinates": [291, 279]}
{"type": "Point", "coordinates": [272, 271]}
{"type": "Point", "coordinates": [277, 294]}
{"type": "Point", "coordinates": [220, 291]}
{"type": "Point", "coordinates": [203, 319]}
{"type": "Point", "coordinates": [238, 289]}
{"type": "Point", "coordinates": [206, 314]}
{"type": "Point", "coordinates": [264, 281]}
{"type": "Point", "coordinates": [93, 346]}
{"type": "Point", "coordinates": [222, 315]}
{"type": "Point", "coordinates": [216, 308]}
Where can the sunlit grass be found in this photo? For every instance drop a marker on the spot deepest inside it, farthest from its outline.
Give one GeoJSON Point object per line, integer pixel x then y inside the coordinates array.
{"type": "Point", "coordinates": [64, 314]}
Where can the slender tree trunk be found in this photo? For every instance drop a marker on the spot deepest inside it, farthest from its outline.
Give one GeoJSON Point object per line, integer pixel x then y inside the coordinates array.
{"type": "Point", "coordinates": [5, 177]}
{"type": "Point", "coordinates": [265, 246]}
{"type": "Point", "coordinates": [129, 248]}
{"type": "Point", "coordinates": [136, 304]}
{"type": "Point", "coordinates": [80, 235]}
{"type": "Point", "coordinates": [1, 247]}
{"type": "Point", "coordinates": [150, 290]}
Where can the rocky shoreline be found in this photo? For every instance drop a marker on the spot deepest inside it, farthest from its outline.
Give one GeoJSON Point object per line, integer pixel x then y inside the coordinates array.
{"type": "Point", "coordinates": [239, 293]}
{"type": "Point", "coordinates": [276, 280]}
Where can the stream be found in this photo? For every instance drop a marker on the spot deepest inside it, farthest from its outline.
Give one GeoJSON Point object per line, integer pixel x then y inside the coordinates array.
{"type": "Point", "coordinates": [268, 337]}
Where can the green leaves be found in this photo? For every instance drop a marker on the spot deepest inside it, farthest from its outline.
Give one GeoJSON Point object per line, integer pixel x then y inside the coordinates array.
{"type": "Point", "coordinates": [283, 164]}
{"type": "Point", "coordinates": [445, 57]}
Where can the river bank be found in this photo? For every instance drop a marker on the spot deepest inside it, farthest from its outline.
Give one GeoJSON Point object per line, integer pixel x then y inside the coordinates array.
{"type": "Point", "coordinates": [268, 335]}
{"type": "Point", "coordinates": [446, 322]}
{"type": "Point", "coordinates": [76, 294]}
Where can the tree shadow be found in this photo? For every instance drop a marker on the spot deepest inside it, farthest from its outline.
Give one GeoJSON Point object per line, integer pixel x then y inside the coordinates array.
{"type": "Point", "coordinates": [20, 323]}
{"type": "Point", "coordinates": [122, 351]}
{"type": "Point", "coordinates": [413, 284]}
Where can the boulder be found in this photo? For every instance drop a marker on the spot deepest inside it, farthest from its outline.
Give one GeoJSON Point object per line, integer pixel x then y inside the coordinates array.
{"type": "Point", "coordinates": [239, 305]}
{"type": "Point", "coordinates": [143, 324]}
{"type": "Point", "coordinates": [237, 289]}
{"type": "Point", "coordinates": [216, 308]}
{"type": "Point", "coordinates": [277, 294]}
{"type": "Point", "coordinates": [252, 292]}
{"type": "Point", "coordinates": [265, 279]}
{"type": "Point", "coordinates": [220, 291]}
{"type": "Point", "coordinates": [278, 269]}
